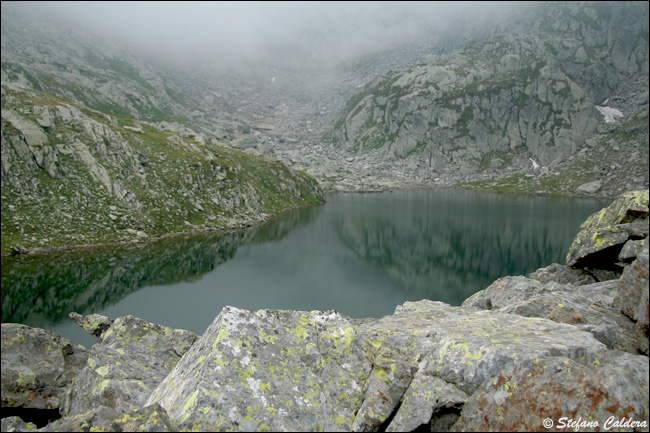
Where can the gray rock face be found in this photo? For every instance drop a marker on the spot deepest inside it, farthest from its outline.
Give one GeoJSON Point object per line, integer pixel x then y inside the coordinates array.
{"type": "Point", "coordinates": [521, 398]}
{"type": "Point", "coordinates": [467, 115]}
{"type": "Point", "coordinates": [603, 235]}
{"type": "Point", "coordinates": [37, 367]}
{"type": "Point", "coordinates": [134, 356]}
{"type": "Point", "coordinates": [505, 92]}
{"type": "Point", "coordinates": [590, 187]}
{"type": "Point", "coordinates": [277, 370]}
{"type": "Point", "coordinates": [632, 298]}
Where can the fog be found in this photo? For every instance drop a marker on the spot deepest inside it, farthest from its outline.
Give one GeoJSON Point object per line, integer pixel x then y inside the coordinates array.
{"type": "Point", "coordinates": [231, 32]}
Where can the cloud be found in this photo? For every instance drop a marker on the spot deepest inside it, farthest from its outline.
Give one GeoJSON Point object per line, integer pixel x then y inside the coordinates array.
{"type": "Point", "coordinates": [324, 31]}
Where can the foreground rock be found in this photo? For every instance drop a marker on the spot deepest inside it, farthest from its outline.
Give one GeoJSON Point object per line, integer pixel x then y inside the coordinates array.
{"type": "Point", "coordinates": [558, 344]}
{"type": "Point", "coordinates": [604, 234]}
{"type": "Point", "coordinates": [520, 399]}
{"type": "Point", "coordinates": [132, 358]}
{"type": "Point", "coordinates": [37, 367]}
{"type": "Point", "coordinates": [277, 370]}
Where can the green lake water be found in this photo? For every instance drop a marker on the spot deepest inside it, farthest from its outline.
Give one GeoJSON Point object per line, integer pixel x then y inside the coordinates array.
{"type": "Point", "coordinates": [359, 254]}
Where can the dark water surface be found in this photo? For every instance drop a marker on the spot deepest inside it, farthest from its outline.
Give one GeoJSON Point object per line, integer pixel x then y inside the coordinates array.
{"type": "Point", "coordinates": [360, 254]}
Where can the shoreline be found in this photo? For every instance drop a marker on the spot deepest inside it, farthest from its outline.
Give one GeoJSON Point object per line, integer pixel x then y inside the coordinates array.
{"type": "Point", "coordinates": [262, 219]}
{"type": "Point", "coordinates": [251, 223]}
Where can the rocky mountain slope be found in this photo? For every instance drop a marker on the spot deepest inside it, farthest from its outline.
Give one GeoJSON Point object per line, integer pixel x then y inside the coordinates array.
{"type": "Point", "coordinates": [73, 175]}
{"type": "Point", "coordinates": [557, 99]}
{"type": "Point", "coordinates": [93, 151]}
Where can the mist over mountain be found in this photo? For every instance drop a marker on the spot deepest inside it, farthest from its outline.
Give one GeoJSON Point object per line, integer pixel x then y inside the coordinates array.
{"type": "Point", "coordinates": [286, 34]}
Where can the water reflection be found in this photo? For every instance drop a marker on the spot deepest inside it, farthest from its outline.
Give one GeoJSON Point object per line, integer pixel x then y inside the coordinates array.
{"type": "Point", "coordinates": [360, 254]}
{"type": "Point", "coordinates": [448, 245]}
{"type": "Point", "coordinates": [42, 289]}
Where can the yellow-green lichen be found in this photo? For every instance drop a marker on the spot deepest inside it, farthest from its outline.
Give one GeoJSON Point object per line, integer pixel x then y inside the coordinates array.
{"type": "Point", "coordinates": [103, 385]}
{"type": "Point", "coordinates": [26, 379]}
{"type": "Point", "coordinates": [222, 335]}
{"type": "Point", "coordinates": [189, 403]}
{"type": "Point", "coordinates": [300, 333]}
{"type": "Point", "coordinates": [468, 356]}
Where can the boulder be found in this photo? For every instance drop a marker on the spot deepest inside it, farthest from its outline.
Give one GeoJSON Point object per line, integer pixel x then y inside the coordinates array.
{"type": "Point", "coordinates": [464, 347]}
{"type": "Point", "coordinates": [37, 367]}
{"type": "Point", "coordinates": [601, 247]}
{"type": "Point", "coordinates": [590, 388]}
{"type": "Point", "coordinates": [603, 235]}
{"type": "Point", "coordinates": [590, 306]}
{"type": "Point", "coordinates": [632, 298]}
{"type": "Point", "coordinates": [133, 357]}
{"type": "Point", "coordinates": [632, 249]}
{"type": "Point", "coordinates": [590, 187]}
{"type": "Point", "coordinates": [277, 370]}
{"type": "Point", "coordinates": [16, 423]}
{"type": "Point", "coordinates": [146, 419]}
{"type": "Point", "coordinates": [562, 274]}
{"type": "Point", "coordinates": [95, 324]}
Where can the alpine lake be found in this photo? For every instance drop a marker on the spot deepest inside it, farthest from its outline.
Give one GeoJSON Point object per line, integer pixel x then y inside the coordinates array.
{"type": "Point", "coordinates": [359, 254]}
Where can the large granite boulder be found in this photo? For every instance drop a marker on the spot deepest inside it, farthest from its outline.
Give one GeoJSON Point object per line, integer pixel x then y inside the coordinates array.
{"type": "Point", "coordinates": [284, 370]}
{"type": "Point", "coordinates": [133, 357]}
{"type": "Point", "coordinates": [632, 298]}
{"type": "Point", "coordinates": [590, 307]}
{"type": "Point", "coordinates": [16, 423]}
{"type": "Point", "coordinates": [94, 324]}
{"type": "Point", "coordinates": [37, 367]}
{"type": "Point", "coordinates": [146, 419]}
{"type": "Point", "coordinates": [610, 385]}
{"type": "Point", "coordinates": [269, 370]}
{"type": "Point", "coordinates": [604, 234]}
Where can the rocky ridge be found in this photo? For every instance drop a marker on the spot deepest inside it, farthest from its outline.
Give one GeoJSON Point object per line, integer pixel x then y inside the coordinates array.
{"type": "Point", "coordinates": [566, 341]}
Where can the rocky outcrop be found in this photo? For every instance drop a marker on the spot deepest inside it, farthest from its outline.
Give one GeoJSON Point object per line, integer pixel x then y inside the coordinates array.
{"type": "Point", "coordinates": [520, 352]}
{"type": "Point", "coordinates": [538, 89]}
{"type": "Point", "coordinates": [597, 291]}
{"type": "Point", "coordinates": [108, 183]}
{"type": "Point", "coordinates": [38, 367]}
{"type": "Point", "coordinates": [603, 235]}
{"type": "Point", "coordinates": [132, 357]}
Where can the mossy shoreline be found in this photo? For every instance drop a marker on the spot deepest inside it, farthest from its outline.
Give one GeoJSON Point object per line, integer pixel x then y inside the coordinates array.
{"type": "Point", "coordinates": [261, 219]}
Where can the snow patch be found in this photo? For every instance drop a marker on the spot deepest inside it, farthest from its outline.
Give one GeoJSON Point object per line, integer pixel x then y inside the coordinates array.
{"type": "Point", "coordinates": [610, 113]}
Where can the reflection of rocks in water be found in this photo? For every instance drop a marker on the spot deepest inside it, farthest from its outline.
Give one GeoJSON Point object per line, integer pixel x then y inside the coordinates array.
{"type": "Point", "coordinates": [441, 250]}
{"type": "Point", "coordinates": [85, 281]}
{"type": "Point", "coordinates": [281, 224]}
